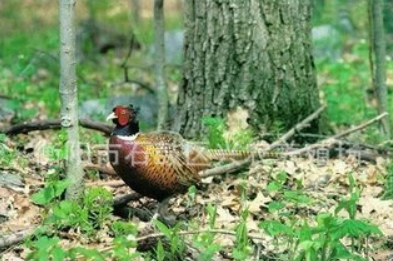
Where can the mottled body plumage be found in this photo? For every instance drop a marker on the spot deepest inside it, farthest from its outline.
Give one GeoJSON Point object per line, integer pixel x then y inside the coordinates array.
{"type": "Point", "coordinates": [158, 165]}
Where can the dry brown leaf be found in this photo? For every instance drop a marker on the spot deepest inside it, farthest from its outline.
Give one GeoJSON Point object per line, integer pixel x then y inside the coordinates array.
{"type": "Point", "coordinates": [377, 205]}
{"type": "Point", "coordinates": [224, 217]}
{"type": "Point", "coordinates": [290, 167]}
{"type": "Point", "coordinates": [230, 201]}
{"type": "Point", "coordinates": [341, 167]}
{"type": "Point", "coordinates": [372, 174]}
{"type": "Point", "coordinates": [236, 121]}
{"type": "Point", "coordinates": [4, 193]}
{"type": "Point", "coordinates": [254, 206]}
{"type": "Point", "coordinates": [372, 191]}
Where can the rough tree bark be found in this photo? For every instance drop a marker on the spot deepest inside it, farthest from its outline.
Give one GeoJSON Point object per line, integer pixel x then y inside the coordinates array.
{"type": "Point", "coordinates": [377, 61]}
{"type": "Point", "coordinates": [159, 43]}
{"type": "Point", "coordinates": [69, 100]}
{"type": "Point", "coordinates": [253, 54]}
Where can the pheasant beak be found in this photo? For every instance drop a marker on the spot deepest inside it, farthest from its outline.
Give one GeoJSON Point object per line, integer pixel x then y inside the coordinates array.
{"type": "Point", "coordinates": [111, 116]}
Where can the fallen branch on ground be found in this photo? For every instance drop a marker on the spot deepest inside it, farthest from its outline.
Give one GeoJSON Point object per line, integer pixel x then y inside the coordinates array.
{"type": "Point", "coordinates": [228, 168]}
{"type": "Point", "coordinates": [109, 183]}
{"type": "Point", "coordinates": [295, 129]}
{"type": "Point", "coordinates": [330, 141]}
{"type": "Point", "coordinates": [55, 125]}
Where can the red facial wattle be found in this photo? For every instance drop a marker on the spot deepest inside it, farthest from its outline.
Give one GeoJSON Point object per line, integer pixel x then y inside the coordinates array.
{"type": "Point", "coordinates": [123, 115]}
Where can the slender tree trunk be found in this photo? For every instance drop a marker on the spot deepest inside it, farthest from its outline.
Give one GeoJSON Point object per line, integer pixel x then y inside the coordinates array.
{"type": "Point", "coordinates": [252, 54]}
{"type": "Point", "coordinates": [135, 11]}
{"type": "Point", "coordinates": [377, 61]}
{"type": "Point", "coordinates": [162, 92]}
{"type": "Point", "coordinates": [91, 10]}
{"type": "Point", "coordinates": [69, 99]}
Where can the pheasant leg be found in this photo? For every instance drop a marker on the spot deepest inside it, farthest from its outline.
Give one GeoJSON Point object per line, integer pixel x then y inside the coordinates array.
{"type": "Point", "coordinates": [163, 214]}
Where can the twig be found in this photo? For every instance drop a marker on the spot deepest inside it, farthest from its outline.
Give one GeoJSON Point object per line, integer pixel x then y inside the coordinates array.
{"type": "Point", "coordinates": [98, 126]}
{"type": "Point", "coordinates": [143, 85]}
{"type": "Point", "coordinates": [110, 183]}
{"type": "Point", "coordinates": [244, 163]}
{"type": "Point", "coordinates": [128, 56]}
{"type": "Point", "coordinates": [55, 124]}
{"type": "Point", "coordinates": [328, 142]}
{"type": "Point", "coordinates": [295, 129]}
{"type": "Point", "coordinates": [102, 169]}
{"type": "Point", "coordinates": [228, 168]}
{"type": "Point", "coordinates": [125, 69]}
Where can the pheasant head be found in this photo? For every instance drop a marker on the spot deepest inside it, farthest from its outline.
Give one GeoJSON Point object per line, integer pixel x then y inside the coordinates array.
{"type": "Point", "coordinates": [125, 119]}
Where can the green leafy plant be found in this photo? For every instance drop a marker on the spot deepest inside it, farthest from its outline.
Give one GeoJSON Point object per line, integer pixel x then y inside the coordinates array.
{"type": "Point", "coordinates": [388, 193]}
{"type": "Point", "coordinates": [121, 249]}
{"type": "Point", "coordinates": [175, 243]}
{"type": "Point", "coordinates": [7, 155]}
{"type": "Point", "coordinates": [204, 241]}
{"type": "Point", "coordinates": [121, 228]}
{"type": "Point", "coordinates": [88, 215]}
{"type": "Point", "coordinates": [53, 190]}
{"type": "Point", "coordinates": [46, 248]}
{"type": "Point", "coordinates": [98, 201]}
{"type": "Point", "coordinates": [323, 241]}
{"type": "Point", "coordinates": [215, 132]}
{"type": "Point", "coordinates": [216, 128]}
{"type": "Point", "coordinates": [242, 248]}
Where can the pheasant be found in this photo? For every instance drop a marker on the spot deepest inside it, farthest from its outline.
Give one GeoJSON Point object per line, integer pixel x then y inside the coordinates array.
{"type": "Point", "coordinates": [157, 165]}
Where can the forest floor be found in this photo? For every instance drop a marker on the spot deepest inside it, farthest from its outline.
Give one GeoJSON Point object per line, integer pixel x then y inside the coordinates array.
{"type": "Point", "coordinates": [273, 210]}
{"type": "Point", "coordinates": [293, 191]}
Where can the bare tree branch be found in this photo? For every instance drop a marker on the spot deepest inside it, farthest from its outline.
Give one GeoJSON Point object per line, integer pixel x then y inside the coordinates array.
{"type": "Point", "coordinates": [330, 141]}
{"type": "Point", "coordinates": [244, 163]}
{"type": "Point", "coordinates": [55, 125]}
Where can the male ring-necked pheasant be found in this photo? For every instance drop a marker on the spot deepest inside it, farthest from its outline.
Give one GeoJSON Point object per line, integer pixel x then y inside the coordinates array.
{"type": "Point", "coordinates": [157, 165]}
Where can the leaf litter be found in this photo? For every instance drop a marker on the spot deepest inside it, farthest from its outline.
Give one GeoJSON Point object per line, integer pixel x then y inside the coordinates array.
{"type": "Point", "coordinates": [264, 184]}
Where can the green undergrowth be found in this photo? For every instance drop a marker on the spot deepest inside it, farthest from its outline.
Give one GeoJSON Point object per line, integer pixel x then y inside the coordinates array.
{"type": "Point", "coordinates": [294, 236]}
{"type": "Point", "coordinates": [388, 193]}
{"type": "Point", "coordinates": [322, 237]}
{"type": "Point", "coordinates": [29, 62]}
{"type": "Point", "coordinates": [348, 91]}
{"type": "Point", "coordinates": [295, 233]}
{"type": "Point", "coordinates": [216, 139]}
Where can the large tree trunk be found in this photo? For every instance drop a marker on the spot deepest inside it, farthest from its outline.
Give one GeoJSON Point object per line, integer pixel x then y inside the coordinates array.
{"type": "Point", "coordinates": [253, 54]}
